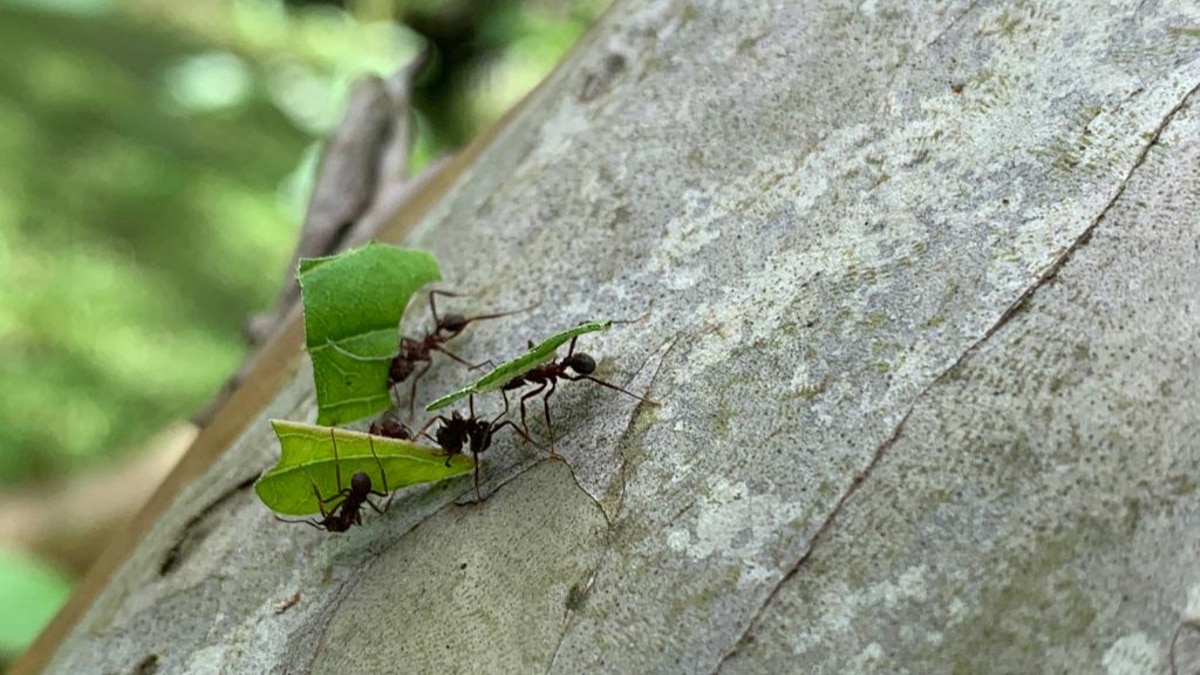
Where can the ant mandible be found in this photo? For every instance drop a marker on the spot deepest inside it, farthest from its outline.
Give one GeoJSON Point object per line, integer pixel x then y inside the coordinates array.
{"type": "Point", "coordinates": [347, 512]}
{"type": "Point", "coordinates": [474, 432]}
{"type": "Point", "coordinates": [546, 377]}
{"type": "Point", "coordinates": [414, 350]}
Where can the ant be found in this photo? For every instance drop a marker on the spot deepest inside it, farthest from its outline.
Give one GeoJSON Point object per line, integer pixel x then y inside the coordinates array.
{"type": "Point", "coordinates": [389, 426]}
{"type": "Point", "coordinates": [347, 512]}
{"type": "Point", "coordinates": [474, 432]}
{"type": "Point", "coordinates": [546, 377]}
{"type": "Point", "coordinates": [414, 350]}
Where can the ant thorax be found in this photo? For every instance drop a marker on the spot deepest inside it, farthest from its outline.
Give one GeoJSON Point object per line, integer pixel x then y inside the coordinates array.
{"type": "Point", "coordinates": [402, 366]}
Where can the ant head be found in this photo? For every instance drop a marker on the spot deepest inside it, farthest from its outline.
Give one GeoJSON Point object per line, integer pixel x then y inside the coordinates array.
{"type": "Point", "coordinates": [360, 483]}
{"type": "Point", "coordinates": [453, 323]}
{"type": "Point", "coordinates": [580, 363]}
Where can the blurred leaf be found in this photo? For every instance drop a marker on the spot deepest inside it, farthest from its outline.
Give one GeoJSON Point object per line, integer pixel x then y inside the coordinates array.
{"type": "Point", "coordinates": [135, 236]}
{"type": "Point", "coordinates": [531, 359]}
{"type": "Point", "coordinates": [143, 217]}
{"type": "Point", "coordinates": [30, 594]}
{"type": "Point", "coordinates": [352, 308]}
{"type": "Point", "coordinates": [307, 459]}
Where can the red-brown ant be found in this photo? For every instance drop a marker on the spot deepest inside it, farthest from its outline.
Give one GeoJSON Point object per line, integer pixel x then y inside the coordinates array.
{"type": "Point", "coordinates": [546, 376]}
{"type": "Point", "coordinates": [473, 432]}
{"type": "Point", "coordinates": [389, 426]}
{"type": "Point", "coordinates": [347, 512]}
{"type": "Point", "coordinates": [413, 350]}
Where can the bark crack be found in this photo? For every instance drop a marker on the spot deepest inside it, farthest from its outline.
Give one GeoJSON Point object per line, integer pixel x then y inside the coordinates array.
{"type": "Point", "coordinates": [1019, 305]}
{"type": "Point", "coordinates": [953, 24]}
{"type": "Point", "coordinates": [662, 352]}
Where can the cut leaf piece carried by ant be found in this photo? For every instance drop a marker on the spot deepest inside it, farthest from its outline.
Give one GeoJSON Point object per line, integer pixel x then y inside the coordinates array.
{"type": "Point", "coordinates": [540, 368]}
{"type": "Point", "coordinates": [348, 512]}
{"type": "Point", "coordinates": [420, 350]}
{"type": "Point", "coordinates": [473, 432]}
{"type": "Point", "coordinates": [315, 459]}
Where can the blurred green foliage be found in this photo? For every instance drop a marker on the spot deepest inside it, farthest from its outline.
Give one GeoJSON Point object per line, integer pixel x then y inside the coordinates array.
{"type": "Point", "coordinates": [30, 593]}
{"type": "Point", "coordinates": [155, 175]}
{"type": "Point", "coordinates": [157, 157]}
{"type": "Point", "coordinates": [133, 236]}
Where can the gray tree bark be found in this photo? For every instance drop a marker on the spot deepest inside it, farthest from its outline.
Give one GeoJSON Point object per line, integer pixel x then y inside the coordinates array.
{"type": "Point", "coordinates": [923, 286]}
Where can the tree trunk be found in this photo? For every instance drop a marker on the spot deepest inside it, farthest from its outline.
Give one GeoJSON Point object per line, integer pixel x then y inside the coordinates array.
{"type": "Point", "coordinates": [923, 296]}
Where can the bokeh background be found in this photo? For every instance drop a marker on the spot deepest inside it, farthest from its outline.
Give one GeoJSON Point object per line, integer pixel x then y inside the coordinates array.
{"type": "Point", "coordinates": [155, 159]}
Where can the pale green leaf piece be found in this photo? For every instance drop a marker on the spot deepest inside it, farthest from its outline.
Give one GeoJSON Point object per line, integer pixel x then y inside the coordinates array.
{"type": "Point", "coordinates": [307, 459]}
{"type": "Point", "coordinates": [531, 359]}
{"type": "Point", "coordinates": [352, 308]}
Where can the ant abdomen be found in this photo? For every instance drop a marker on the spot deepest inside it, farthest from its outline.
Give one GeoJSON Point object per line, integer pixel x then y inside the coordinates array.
{"type": "Point", "coordinates": [580, 363]}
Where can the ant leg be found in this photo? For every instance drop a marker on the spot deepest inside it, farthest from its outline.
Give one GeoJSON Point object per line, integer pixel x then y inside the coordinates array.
{"type": "Point", "coordinates": [571, 347]}
{"type": "Point", "coordinates": [510, 423]}
{"type": "Point", "coordinates": [528, 395]}
{"type": "Point", "coordinates": [305, 521]}
{"type": "Point", "coordinates": [474, 450]}
{"type": "Point", "coordinates": [475, 456]}
{"type": "Point", "coordinates": [321, 524]}
{"type": "Point", "coordinates": [383, 478]}
{"type": "Point", "coordinates": [341, 491]}
{"type": "Point", "coordinates": [322, 501]}
{"type": "Point", "coordinates": [549, 424]}
{"type": "Point", "coordinates": [496, 315]}
{"type": "Point", "coordinates": [504, 395]}
{"type": "Point", "coordinates": [412, 394]}
{"type": "Point", "coordinates": [456, 357]}
{"type": "Point", "coordinates": [425, 427]}
{"type": "Point", "coordinates": [485, 362]}
{"type": "Point", "coordinates": [433, 303]}
{"type": "Point", "coordinates": [612, 386]}
{"type": "Point", "coordinates": [337, 466]}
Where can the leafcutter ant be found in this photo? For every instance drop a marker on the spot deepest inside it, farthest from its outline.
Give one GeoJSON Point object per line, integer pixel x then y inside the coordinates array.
{"type": "Point", "coordinates": [348, 512]}
{"type": "Point", "coordinates": [414, 350]}
{"type": "Point", "coordinates": [546, 377]}
{"type": "Point", "coordinates": [473, 432]}
{"type": "Point", "coordinates": [389, 426]}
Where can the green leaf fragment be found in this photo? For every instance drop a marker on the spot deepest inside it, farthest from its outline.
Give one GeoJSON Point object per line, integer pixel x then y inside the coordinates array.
{"type": "Point", "coordinates": [307, 458]}
{"type": "Point", "coordinates": [531, 359]}
{"type": "Point", "coordinates": [352, 308]}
